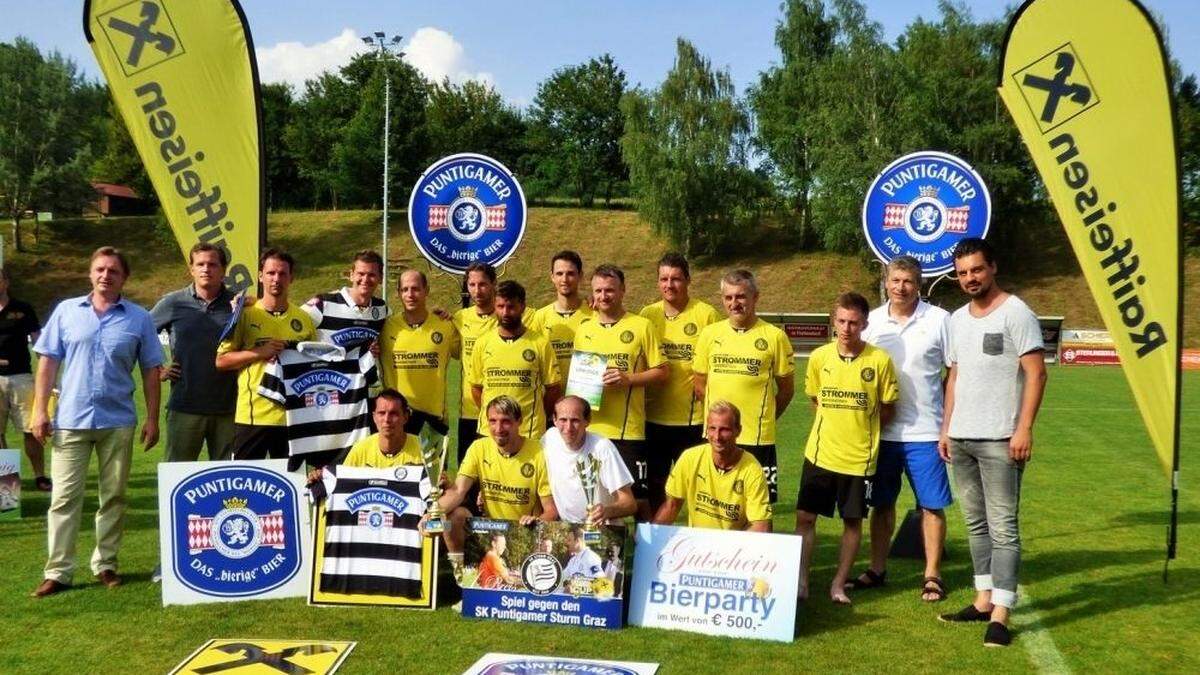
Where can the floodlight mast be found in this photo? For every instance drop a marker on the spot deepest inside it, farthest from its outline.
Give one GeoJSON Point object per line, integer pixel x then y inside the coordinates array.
{"type": "Point", "coordinates": [385, 49]}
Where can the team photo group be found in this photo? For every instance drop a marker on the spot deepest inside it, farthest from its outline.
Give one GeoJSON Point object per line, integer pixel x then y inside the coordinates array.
{"type": "Point", "coordinates": [679, 419]}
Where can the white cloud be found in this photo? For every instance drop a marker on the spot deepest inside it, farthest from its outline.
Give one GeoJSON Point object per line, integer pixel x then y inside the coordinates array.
{"type": "Point", "coordinates": [432, 51]}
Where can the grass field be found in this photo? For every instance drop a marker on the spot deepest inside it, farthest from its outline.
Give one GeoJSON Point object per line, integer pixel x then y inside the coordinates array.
{"type": "Point", "coordinates": [1093, 597]}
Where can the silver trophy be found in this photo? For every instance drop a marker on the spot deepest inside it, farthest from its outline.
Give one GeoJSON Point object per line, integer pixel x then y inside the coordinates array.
{"type": "Point", "coordinates": [588, 470]}
{"type": "Point", "coordinates": [433, 456]}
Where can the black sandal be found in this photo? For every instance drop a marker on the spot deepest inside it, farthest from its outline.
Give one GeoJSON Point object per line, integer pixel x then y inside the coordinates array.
{"type": "Point", "coordinates": [874, 580]}
{"type": "Point", "coordinates": [939, 589]}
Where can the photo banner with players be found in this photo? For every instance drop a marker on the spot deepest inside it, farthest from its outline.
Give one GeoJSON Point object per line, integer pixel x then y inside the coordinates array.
{"type": "Point", "coordinates": [10, 484]}
{"type": "Point", "coordinates": [231, 531]}
{"type": "Point", "coordinates": [544, 573]}
{"type": "Point", "coordinates": [1087, 84]}
{"type": "Point", "coordinates": [366, 548]}
{"type": "Point", "coordinates": [715, 582]}
{"type": "Point", "coordinates": [182, 74]}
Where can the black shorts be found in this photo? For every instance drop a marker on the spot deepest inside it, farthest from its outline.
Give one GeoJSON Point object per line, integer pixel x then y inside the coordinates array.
{"type": "Point", "coordinates": [664, 444]}
{"type": "Point", "coordinates": [468, 432]}
{"type": "Point", "coordinates": [634, 455]}
{"type": "Point", "coordinates": [765, 454]}
{"type": "Point", "coordinates": [254, 441]}
{"type": "Point", "coordinates": [821, 490]}
{"type": "Point", "coordinates": [317, 460]}
{"type": "Point", "coordinates": [419, 418]}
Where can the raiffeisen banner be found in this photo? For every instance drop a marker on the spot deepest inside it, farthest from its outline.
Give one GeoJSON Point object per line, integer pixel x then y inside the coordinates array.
{"type": "Point", "coordinates": [183, 76]}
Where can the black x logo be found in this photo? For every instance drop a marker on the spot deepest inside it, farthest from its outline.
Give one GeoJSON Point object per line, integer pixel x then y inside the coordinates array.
{"type": "Point", "coordinates": [1058, 87]}
{"type": "Point", "coordinates": [253, 654]}
{"type": "Point", "coordinates": [142, 34]}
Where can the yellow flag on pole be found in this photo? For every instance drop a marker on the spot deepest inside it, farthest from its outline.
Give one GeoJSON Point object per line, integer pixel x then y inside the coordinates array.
{"type": "Point", "coordinates": [1087, 83]}
{"type": "Point", "coordinates": [183, 75]}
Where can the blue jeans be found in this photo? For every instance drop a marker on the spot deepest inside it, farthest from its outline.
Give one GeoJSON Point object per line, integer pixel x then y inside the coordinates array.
{"type": "Point", "coordinates": [989, 492]}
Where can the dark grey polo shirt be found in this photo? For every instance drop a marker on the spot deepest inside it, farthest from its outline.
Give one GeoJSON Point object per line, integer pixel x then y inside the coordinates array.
{"type": "Point", "coordinates": [195, 326]}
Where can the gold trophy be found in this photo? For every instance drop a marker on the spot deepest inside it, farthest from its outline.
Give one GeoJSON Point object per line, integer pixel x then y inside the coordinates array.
{"type": "Point", "coordinates": [588, 469]}
{"type": "Point", "coordinates": [433, 455]}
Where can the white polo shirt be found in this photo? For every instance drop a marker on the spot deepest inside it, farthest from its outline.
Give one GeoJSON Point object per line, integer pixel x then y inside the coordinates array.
{"type": "Point", "coordinates": [564, 481]}
{"type": "Point", "coordinates": [920, 349]}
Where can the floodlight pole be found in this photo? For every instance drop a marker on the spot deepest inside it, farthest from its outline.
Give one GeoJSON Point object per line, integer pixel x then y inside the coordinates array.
{"type": "Point", "coordinates": [385, 46]}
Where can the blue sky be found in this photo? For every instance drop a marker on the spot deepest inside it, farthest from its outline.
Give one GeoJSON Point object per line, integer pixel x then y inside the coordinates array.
{"type": "Point", "coordinates": [515, 45]}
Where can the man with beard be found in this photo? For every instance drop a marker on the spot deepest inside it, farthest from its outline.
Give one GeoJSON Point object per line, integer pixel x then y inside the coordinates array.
{"type": "Point", "coordinates": [560, 319]}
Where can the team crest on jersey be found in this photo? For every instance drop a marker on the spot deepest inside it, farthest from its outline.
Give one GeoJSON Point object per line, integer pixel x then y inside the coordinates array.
{"type": "Point", "coordinates": [436, 337]}
{"type": "Point", "coordinates": [922, 205]}
{"type": "Point", "coordinates": [236, 531]}
{"type": "Point", "coordinates": [297, 326]}
{"type": "Point", "coordinates": [626, 336]}
{"type": "Point", "coordinates": [466, 208]}
{"type": "Point", "coordinates": [739, 486]}
{"type": "Point", "coordinates": [528, 355]}
{"type": "Point", "coordinates": [527, 470]}
{"type": "Point", "coordinates": [375, 311]}
{"type": "Point", "coordinates": [400, 473]}
{"type": "Point", "coordinates": [868, 374]}
{"type": "Point", "coordinates": [690, 329]}
{"type": "Point", "coordinates": [760, 344]}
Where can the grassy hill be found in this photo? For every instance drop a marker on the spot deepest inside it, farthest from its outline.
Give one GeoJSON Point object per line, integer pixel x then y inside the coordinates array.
{"type": "Point", "coordinates": [1044, 273]}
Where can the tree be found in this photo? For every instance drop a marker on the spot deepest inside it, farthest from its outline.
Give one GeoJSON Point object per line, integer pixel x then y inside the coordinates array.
{"type": "Point", "coordinates": [686, 145]}
{"type": "Point", "coordinates": [576, 127]}
{"type": "Point", "coordinates": [473, 117]}
{"type": "Point", "coordinates": [47, 114]}
{"type": "Point", "coordinates": [315, 130]}
{"type": "Point", "coordinates": [787, 103]}
{"type": "Point", "coordinates": [285, 186]}
{"type": "Point", "coordinates": [1187, 108]}
{"type": "Point", "coordinates": [120, 162]}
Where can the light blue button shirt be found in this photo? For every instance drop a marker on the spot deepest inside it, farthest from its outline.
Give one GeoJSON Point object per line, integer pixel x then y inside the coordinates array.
{"type": "Point", "coordinates": [97, 355]}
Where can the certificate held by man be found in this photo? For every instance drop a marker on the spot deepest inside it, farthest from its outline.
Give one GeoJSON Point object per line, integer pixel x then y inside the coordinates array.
{"type": "Point", "coordinates": [586, 377]}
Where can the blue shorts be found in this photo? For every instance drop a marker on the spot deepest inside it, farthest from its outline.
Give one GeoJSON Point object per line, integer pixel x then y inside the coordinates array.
{"type": "Point", "coordinates": [926, 473]}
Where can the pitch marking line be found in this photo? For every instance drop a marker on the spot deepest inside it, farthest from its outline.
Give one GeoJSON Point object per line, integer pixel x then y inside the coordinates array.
{"type": "Point", "coordinates": [1036, 638]}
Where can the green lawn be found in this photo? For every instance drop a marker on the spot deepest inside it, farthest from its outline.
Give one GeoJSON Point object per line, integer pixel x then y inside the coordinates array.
{"type": "Point", "coordinates": [1094, 530]}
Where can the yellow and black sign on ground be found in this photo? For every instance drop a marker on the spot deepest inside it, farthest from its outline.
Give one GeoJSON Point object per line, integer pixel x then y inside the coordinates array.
{"type": "Point", "coordinates": [254, 657]}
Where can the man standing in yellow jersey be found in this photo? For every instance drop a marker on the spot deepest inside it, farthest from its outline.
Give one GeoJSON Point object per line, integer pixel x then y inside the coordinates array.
{"type": "Point", "coordinates": [516, 362]}
{"type": "Point", "coordinates": [415, 350]}
{"type": "Point", "coordinates": [854, 388]}
{"type": "Point", "coordinates": [634, 361]}
{"type": "Point", "coordinates": [674, 413]}
{"type": "Point", "coordinates": [263, 330]}
{"type": "Point", "coordinates": [722, 484]}
{"type": "Point", "coordinates": [748, 362]}
{"type": "Point", "coordinates": [560, 319]}
{"type": "Point", "coordinates": [471, 323]}
{"type": "Point", "coordinates": [510, 472]}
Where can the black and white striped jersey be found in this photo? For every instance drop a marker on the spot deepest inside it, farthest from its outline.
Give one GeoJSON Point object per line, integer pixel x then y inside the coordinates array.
{"type": "Point", "coordinates": [372, 544]}
{"type": "Point", "coordinates": [341, 322]}
{"type": "Point", "coordinates": [323, 389]}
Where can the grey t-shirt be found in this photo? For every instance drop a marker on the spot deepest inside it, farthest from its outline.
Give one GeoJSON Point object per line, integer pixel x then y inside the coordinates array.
{"type": "Point", "coordinates": [194, 327]}
{"type": "Point", "coordinates": [987, 391]}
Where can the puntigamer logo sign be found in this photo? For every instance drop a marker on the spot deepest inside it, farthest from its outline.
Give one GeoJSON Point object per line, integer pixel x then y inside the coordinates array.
{"type": "Point", "coordinates": [236, 530]}
{"type": "Point", "coordinates": [467, 208]}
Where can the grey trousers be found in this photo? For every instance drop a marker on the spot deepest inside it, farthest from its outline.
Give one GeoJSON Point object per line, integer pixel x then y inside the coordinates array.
{"type": "Point", "coordinates": [989, 493]}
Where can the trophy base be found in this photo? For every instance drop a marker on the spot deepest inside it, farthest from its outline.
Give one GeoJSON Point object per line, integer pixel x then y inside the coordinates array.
{"type": "Point", "coordinates": [592, 537]}
{"type": "Point", "coordinates": [436, 526]}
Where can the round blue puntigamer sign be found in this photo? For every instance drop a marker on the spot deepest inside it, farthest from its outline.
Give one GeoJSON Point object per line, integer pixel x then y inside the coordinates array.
{"type": "Point", "coordinates": [466, 208]}
{"type": "Point", "coordinates": [922, 205]}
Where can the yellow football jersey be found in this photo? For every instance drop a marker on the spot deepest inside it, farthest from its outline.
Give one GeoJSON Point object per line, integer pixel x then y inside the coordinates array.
{"type": "Point", "coordinates": [741, 367]}
{"type": "Point", "coordinates": [631, 346]}
{"type": "Point", "coordinates": [520, 367]}
{"type": "Point", "coordinates": [365, 453]}
{"type": "Point", "coordinates": [845, 430]}
{"type": "Point", "coordinates": [414, 360]}
{"type": "Point", "coordinates": [716, 499]}
{"type": "Point", "coordinates": [254, 327]}
{"type": "Point", "coordinates": [511, 486]}
{"type": "Point", "coordinates": [674, 403]}
{"type": "Point", "coordinates": [470, 326]}
{"type": "Point", "coordinates": [560, 329]}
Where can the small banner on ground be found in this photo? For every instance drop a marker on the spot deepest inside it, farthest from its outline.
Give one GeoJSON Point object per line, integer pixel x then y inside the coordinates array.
{"type": "Point", "coordinates": [521, 664]}
{"type": "Point", "coordinates": [311, 657]}
{"type": "Point", "coordinates": [543, 573]}
{"type": "Point", "coordinates": [10, 484]}
{"type": "Point", "coordinates": [231, 531]}
{"type": "Point", "coordinates": [184, 79]}
{"type": "Point", "coordinates": [717, 582]}
{"type": "Point", "coordinates": [366, 547]}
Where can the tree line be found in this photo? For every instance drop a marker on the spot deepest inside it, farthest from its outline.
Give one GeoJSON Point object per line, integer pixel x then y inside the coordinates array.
{"type": "Point", "coordinates": [703, 163]}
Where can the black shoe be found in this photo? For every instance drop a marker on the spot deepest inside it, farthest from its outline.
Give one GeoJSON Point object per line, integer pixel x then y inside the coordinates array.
{"type": "Point", "coordinates": [43, 484]}
{"type": "Point", "coordinates": [968, 614]}
{"type": "Point", "coordinates": [997, 635]}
